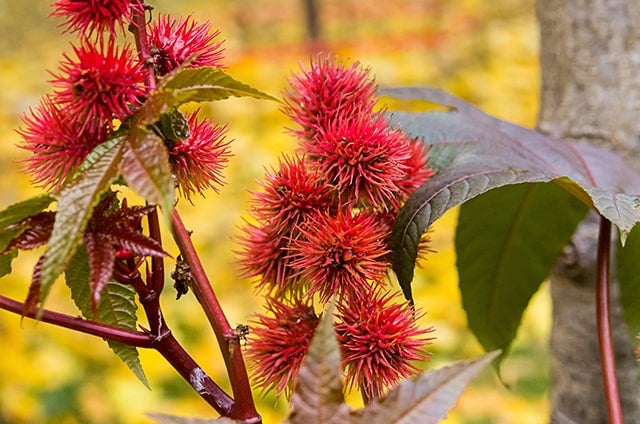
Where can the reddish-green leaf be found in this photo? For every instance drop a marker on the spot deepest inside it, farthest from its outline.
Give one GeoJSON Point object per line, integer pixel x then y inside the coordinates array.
{"type": "Point", "coordinates": [317, 397]}
{"type": "Point", "coordinates": [145, 167]}
{"type": "Point", "coordinates": [21, 210]}
{"type": "Point", "coordinates": [34, 231]}
{"type": "Point", "coordinates": [17, 213]}
{"type": "Point", "coordinates": [425, 399]}
{"type": "Point", "coordinates": [102, 256]}
{"type": "Point", "coordinates": [75, 204]}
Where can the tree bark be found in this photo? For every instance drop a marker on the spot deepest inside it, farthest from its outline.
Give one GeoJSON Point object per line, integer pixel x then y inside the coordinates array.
{"type": "Point", "coordinates": [590, 61]}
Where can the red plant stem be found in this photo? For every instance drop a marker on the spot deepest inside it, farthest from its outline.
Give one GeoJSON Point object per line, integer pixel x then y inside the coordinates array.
{"type": "Point", "coordinates": [139, 29]}
{"type": "Point", "coordinates": [607, 358]}
{"type": "Point", "coordinates": [228, 339]}
{"type": "Point", "coordinates": [165, 344]}
{"type": "Point", "coordinates": [133, 338]}
{"type": "Point", "coordinates": [175, 354]}
{"type": "Point", "coordinates": [156, 280]}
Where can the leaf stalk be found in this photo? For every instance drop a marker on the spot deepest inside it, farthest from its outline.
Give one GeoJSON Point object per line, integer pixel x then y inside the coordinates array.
{"type": "Point", "coordinates": [607, 357]}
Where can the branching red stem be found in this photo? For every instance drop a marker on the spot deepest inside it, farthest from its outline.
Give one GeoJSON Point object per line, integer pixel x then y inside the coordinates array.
{"type": "Point", "coordinates": [121, 335]}
{"type": "Point", "coordinates": [227, 338]}
{"type": "Point", "coordinates": [607, 357]}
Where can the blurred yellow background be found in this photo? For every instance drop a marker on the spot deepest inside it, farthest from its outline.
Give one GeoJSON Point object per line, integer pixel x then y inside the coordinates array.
{"type": "Point", "coordinates": [485, 52]}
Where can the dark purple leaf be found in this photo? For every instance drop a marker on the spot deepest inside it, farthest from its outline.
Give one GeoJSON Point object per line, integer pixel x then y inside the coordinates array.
{"type": "Point", "coordinates": [474, 153]}
{"type": "Point", "coordinates": [102, 257]}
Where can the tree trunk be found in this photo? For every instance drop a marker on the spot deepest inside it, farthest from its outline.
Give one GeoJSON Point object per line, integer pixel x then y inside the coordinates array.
{"type": "Point", "coordinates": [590, 60]}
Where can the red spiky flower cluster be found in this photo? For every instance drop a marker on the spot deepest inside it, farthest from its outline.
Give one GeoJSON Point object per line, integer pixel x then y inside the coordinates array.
{"type": "Point", "coordinates": [280, 341]}
{"type": "Point", "coordinates": [183, 41]}
{"type": "Point", "coordinates": [102, 84]}
{"type": "Point", "coordinates": [87, 16]}
{"type": "Point", "coordinates": [321, 225]}
{"type": "Point", "coordinates": [380, 342]}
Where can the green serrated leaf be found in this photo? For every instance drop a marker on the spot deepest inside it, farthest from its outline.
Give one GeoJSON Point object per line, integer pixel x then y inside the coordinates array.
{"type": "Point", "coordinates": [75, 203]}
{"type": "Point", "coordinates": [507, 243]}
{"type": "Point", "coordinates": [204, 84]}
{"type": "Point", "coordinates": [425, 399]}
{"type": "Point", "coordinates": [318, 393]}
{"type": "Point", "coordinates": [628, 264]}
{"type": "Point", "coordinates": [208, 83]}
{"type": "Point", "coordinates": [117, 307]}
{"type": "Point", "coordinates": [145, 166]}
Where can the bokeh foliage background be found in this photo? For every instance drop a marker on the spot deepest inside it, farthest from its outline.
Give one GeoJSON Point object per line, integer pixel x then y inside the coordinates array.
{"type": "Point", "coordinates": [485, 52]}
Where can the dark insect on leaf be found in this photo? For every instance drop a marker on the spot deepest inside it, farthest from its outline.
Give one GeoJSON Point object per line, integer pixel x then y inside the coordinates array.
{"type": "Point", "coordinates": [181, 276]}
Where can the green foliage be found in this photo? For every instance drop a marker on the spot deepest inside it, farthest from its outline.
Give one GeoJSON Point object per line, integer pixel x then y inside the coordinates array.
{"type": "Point", "coordinates": [5, 262]}
{"type": "Point", "coordinates": [629, 279]}
{"type": "Point", "coordinates": [75, 204]}
{"type": "Point", "coordinates": [204, 84]}
{"type": "Point", "coordinates": [12, 215]}
{"type": "Point", "coordinates": [117, 307]}
{"type": "Point", "coordinates": [507, 242]}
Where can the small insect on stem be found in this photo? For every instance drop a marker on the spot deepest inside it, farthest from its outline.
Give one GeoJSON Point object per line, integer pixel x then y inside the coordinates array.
{"type": "Point", "coordinates": [181, 276]}
{"type": "Point", "coordinates": [241, 332]}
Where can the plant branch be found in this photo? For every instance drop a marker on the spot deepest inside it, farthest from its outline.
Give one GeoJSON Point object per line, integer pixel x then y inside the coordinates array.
{"type": "Point", "coordinates": [165, 344]}
{"type": "Point", "coordinates": [156, 279]}
{"type": "Point", "coordinates": [228, 339]}
{"type": "Point", "coordinates": [138, 27]}
{"type": "Point", "coordinates": [93, 328]}
{"type": "Point", "coordinates": [182, 362]}
{"type": "Point", "coordinates": [607, 356]}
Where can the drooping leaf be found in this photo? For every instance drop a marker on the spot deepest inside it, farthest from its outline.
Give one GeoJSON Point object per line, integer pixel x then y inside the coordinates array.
{"type": "Point", "coordinates": [628, 265]}
{"type": "Point", "coordinates": [32, 232]}
{"type": "Point", "coordinates": [204, 84]}
{"type": "Point", "coordinates": [145, 167]}
{"type": "Point", "coordinates": [318, 396]}
{"type": "Point", "coordinates": [18, 212]}
{"type": "Point", "coordinates": [117, 307]}
{"type": "Point", "coordinates": [425, 399]}
{"type": "Point", "coordinates": [75, 203]}
{"type": "Point", "coordinates": [21, 210]}
{"type": "Point", "coordinates": [114, 226]}
{"type": "Point", "coordinates": [507, 242]}
{"type": "Point", "coordinates": [102, 256]}
{"type": "Point", "coordinates": [5, 262]}
{"type": "Point", "coordinates": [475, 153]}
